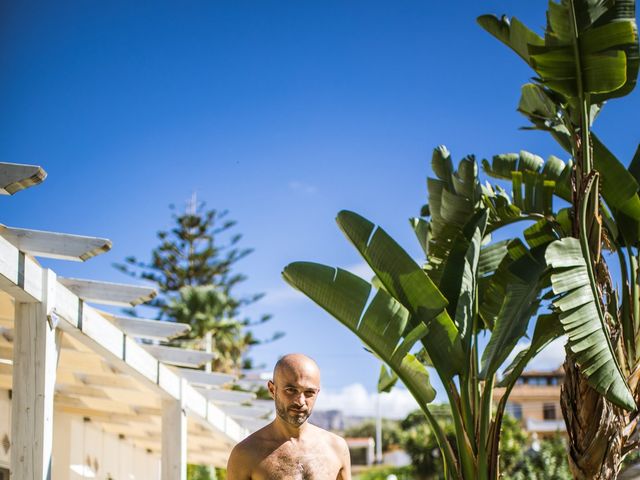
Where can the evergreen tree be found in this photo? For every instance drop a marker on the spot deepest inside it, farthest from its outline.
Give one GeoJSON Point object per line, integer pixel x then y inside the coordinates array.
{"type": "Point", "coordinates": [193, 269]}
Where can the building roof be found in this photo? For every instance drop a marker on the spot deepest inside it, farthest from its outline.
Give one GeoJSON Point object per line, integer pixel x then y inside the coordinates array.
{"type": "Point", "coordinates": [104, 372]}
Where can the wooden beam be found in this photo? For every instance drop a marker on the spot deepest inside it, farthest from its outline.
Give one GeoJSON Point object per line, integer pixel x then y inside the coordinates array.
{"type": "Point", "coordinates": [35, 358]}
{"type": "Point", "coordinates": [174, 440]}
{"type": "Point", "coordinates": [149, 329]}
{"type": "Point", "coordinates": [105, 417]}
{"type": "Point", "coordinates": [21, 278]}
{"type": "Point", "coordinates": [241, 411]}
{"type": "Point", "coordinates": [220, 396]}
{"type": "Point", "coordinates": [67, 390]}
{"type": "Point", "coordinates": [112, 381]}
{"type": "Point", "coordinates": [206, 379]}
{"type": "Point", "coordinates": [181, 357]}
{"type": "Point", "coordinates": [6, 353]}
{"type": "Point", "coordinates": [106, 293]}
{"type": "Point", "coordinates": [15, 177]}
{"type": "Point", "coordinates": [55, 245]}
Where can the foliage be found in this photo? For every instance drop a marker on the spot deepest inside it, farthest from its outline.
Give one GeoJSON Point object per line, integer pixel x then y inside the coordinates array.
{"type": "Point", "coordinates": [391, 432]}
{"type": "Point", "coordinates": [193, 269]}
{"type": "Point", "coordinates": [589, 54]}
{"type": "Point", "coordinates": [203, 472]}
{"type": "Point", "coordinates": [520, 461]}
{"type": "Point", "coordinates": [421, 445]}
{"type": "Point", "coordinates": [383, 473]}
{"type": "Point", "coordinates": [205, 309]}
{"type": "Point", "coordinates": [194, 252]}
{"type": "Point", "coordinates": [413, 320]}
{"type": "Point", "coordinates": [414, 317]}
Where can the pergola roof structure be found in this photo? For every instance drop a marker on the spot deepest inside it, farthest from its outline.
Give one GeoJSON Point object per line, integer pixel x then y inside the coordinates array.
{"type": "Point", "coordinates": [95, 365]}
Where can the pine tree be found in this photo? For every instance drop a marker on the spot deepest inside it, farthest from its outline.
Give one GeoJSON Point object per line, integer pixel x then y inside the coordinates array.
{"type": "Point", "coordinates": [193, 271]}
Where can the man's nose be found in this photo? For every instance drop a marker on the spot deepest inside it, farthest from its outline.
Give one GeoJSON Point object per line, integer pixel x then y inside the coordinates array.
{"type": "Point", "coordinates": [300, 399]}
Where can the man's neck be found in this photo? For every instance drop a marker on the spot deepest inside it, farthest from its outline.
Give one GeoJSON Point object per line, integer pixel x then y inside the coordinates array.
{"type": "Point", "coordinates": [288, 431]}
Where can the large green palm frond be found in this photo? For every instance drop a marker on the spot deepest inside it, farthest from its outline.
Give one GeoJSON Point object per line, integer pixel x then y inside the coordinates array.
{"type": "Point", "coordinates": [534, 181]}
{"type": "Point", "coordinates": [453, 198]}
{"type": "Point", "coordinates": [547, 329]}
{"type": "Point", "coordinates": [405, 281]}
{"type": "Point", "coordinates": [584, 322]}
{"type": "Point", "coordinates": [619, 184]}
{"type": "Point", "coordinates": [405, 285]}
{"type": "Point", "coordinates": [515, 291]}
{"type": "Point", "coordinates": [379, 322]}
{"type": "Point", "coordinates": [589, 47]}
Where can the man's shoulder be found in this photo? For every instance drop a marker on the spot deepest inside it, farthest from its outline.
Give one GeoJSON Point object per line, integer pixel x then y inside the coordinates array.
{"type": "Point", "coordinates": [247, 448]}
{"type": "Point", "coordinates": [331, 438]}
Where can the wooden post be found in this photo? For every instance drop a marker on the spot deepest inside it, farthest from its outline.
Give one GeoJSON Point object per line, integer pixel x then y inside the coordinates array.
{"type": "Point", "coordinates": [35, 358]}
{"type": "Point", "coordinates": [208, 347]}
{"type": "Point", "coordinates": [174, 439]}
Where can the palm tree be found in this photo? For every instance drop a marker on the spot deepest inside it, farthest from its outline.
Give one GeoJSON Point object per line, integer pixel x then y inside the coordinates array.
{"type": "Point", "coordinates": [208, 310]}
{"type": "Point", "coordinates": [589, 54]}
{"type": "Point", "coordinates": [434, 316]}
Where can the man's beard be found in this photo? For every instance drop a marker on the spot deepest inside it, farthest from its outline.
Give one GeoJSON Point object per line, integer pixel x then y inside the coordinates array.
{"type": "Point", "coordinates": [292, 418]}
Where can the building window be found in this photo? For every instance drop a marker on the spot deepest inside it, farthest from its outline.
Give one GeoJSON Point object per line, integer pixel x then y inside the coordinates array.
{"type": "Point", "coordinates": [549, 411]}
{"type": "Point", "coordinates": [4, 473]}
{"type": "Point", "coordinates": [515, 410]}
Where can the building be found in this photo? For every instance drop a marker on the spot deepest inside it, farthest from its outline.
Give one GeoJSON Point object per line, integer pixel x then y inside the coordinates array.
{"type": "Point", "coordinates": [535, 401]}
{"type": "Point", "coordinates": [88, 394]}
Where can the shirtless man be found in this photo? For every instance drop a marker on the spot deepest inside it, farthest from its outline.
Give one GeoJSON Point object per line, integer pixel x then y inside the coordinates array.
{"type": "Point", "coordinates": [290, 448]}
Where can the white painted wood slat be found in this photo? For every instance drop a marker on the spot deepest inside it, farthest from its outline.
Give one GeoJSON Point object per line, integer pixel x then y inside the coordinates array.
{"type": "Point", "coordinates": [61, 246]}
{"type": "Point", "coordinates": [15, 177]}
{"type": "Point", "coordinates": [241, 411]}
{"type": "Point", "coordinates": [199, 377]}
{"type": "Point", "coordinates": [181, 357]}
{"type": "Point", "coordinates": [106, 293]}
{"type": "Point", "coordinates": [220, 396]}
{"type": "Point", "coordinates": [150, 329]}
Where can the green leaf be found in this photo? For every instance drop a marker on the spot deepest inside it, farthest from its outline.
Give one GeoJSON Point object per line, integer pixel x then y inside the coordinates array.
{"type": "Point", "coordinates": [519, 305]}
{"type": "Point", "coordinates": [541, 179]}
{"type": "Point", "coordinates": [619, 187]}
{"type": "Point", "coordinates": [495, 287]}
{"type": "Point", "coordinates": [387, 379]}
{"type": "Point", "coordinates": [421, 229]}
{"type": "Point", "coordinates": [380, 323]}
{"type": "Point", "coordinates": [540, 233]}
{"type": "Point", "coordinates": [621, 13]}
{"type": "Point", "coordinates": [600, 57]}
{"type": "Point", "coordinates": [634, 166]}
{"type": "Point", "coordinates": [512, 33]}
{"type": "Point", "coordinates": [583, 323]}
{"type": "Point", "coordinates": [453, 199]}
{"type": "Point", "coordinates": [547, 329]}
{"type": "Point", "coordinates": [466, 305]}
{"type": "Point", "coordinates": [491, 256]}
{"type": "Point", "coordinates": [411, 286]}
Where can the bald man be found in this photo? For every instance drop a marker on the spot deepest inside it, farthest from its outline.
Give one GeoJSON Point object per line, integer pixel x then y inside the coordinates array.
{"type": "Point", "coordinates": [289, 447]}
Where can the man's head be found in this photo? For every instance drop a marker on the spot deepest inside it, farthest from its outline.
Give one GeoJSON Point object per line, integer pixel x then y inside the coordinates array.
{"type": "Point", "coordinates": [295, 387]}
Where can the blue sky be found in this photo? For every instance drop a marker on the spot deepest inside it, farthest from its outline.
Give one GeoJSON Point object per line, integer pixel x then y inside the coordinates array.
{"type": "Point", "coordinates": [282, 112]}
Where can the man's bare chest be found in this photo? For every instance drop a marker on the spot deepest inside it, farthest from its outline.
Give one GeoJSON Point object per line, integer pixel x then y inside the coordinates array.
{"type": "Point", "coordinates": [285, 463]}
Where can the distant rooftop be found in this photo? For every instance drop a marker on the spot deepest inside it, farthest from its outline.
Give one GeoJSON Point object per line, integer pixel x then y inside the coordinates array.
{"type": "Point", "coordinates": [558, 372]}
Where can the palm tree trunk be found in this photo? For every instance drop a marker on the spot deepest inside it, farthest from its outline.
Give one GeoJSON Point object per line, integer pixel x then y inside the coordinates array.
{"type": "Point", "coordinates": [595, 428]}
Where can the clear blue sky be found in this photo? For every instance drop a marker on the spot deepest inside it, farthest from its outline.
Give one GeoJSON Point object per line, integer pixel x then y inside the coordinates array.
{"type": "Point", "coordinates": [281, 112]}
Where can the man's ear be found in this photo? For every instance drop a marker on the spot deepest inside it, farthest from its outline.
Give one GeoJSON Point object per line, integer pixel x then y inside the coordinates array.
{"type": "Point", "coordinates": [272, 389]}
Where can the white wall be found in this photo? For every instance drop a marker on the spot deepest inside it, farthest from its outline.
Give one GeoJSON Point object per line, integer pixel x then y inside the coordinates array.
{"type": "Point", "coordinates": [77, 443]}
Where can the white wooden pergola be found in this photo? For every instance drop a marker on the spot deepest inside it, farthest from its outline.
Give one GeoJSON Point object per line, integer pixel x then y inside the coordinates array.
{"type": "Point", "coordinates": [59, 354]}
